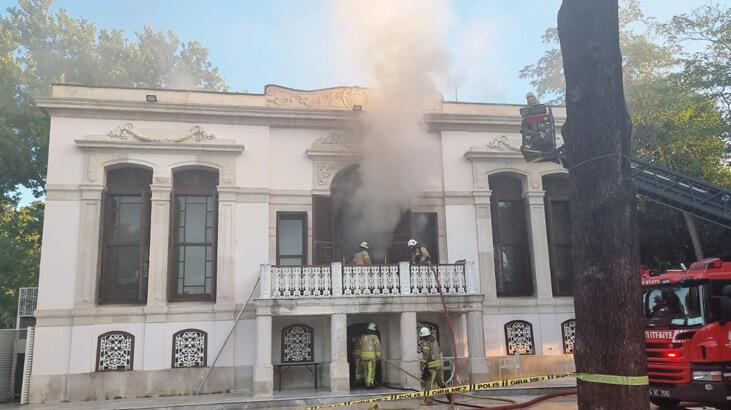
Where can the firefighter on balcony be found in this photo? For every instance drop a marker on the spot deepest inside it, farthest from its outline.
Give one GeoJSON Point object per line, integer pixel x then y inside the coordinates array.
{"type": "Point", "coordinates": [370, 353]}
{"type": "Point", "coordinates": [362, 257]}
{"type": "Point", "coordinates": [419, 253]}
{"type": "Point", "coordinates": [432, 375]}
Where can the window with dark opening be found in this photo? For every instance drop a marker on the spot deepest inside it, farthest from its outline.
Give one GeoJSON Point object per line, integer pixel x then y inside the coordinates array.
{"type": "Point", "coordinates": [509, 231]}
{"type": "Point", "coordinates": [195, 226]}
{"type": "Point", "coordinates": [125, 236]}
{"type": "Point", "coordinates": [558, 224]}
{"type": "Point", "coordinates": [291, 238]}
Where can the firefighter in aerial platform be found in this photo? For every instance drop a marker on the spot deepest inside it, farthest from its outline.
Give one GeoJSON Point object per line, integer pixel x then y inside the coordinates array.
{"type": "Point", "coordinates": [370, 353]}
{"type": "Point", "coordinates": [419, 253]}
{"type": "Point", "coordinates": [432, 374]}
{"type": "Point", "coordinates": [362, 257]}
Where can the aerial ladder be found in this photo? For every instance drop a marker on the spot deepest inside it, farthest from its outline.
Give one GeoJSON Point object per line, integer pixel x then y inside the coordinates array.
{"type": "Point", "coordinates": [670, 188]}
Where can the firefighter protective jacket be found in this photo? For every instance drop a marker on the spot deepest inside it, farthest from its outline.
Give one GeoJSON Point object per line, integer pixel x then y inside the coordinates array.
{"type": "Point", "coordinates": [430, 353]}
{"type": "Point", "coordinates": [420, 255]}
{"type": "Point", "coordinates": [362, 257]}
{"type": "Point", "coordinates": [370, 346]}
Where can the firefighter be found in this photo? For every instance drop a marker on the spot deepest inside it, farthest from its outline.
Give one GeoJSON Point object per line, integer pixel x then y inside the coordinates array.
{"type": "Point", "coordinates": [355, 354]}
{"type": "Point", "coordinates": [419, 253]}
{"type": "Point", "coordinates": [431, 359]}
{"type": "Point", "coordinates": [370, 353]}
{"type": "Point", "coordinates": [362, 257]}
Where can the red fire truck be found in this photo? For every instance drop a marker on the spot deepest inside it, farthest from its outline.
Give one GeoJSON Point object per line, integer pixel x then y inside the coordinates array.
{"type": "Point", "coordinates": [688, 333]}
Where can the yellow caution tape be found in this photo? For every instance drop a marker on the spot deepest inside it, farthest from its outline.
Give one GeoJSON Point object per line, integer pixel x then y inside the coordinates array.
{"type": "Point", "coordinates": [447, 390]}
{"type": "Point", "coordinates": [614, 379]}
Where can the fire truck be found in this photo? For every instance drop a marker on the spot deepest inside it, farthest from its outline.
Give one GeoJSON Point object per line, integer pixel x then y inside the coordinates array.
{"type": "Point", "coordinates": [688, 333]}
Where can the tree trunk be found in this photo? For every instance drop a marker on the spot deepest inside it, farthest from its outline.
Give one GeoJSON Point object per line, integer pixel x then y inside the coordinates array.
{"type": "Point", "coordinates": [693, 232]}
{"type": "Point", "coordinates": [607, 295]}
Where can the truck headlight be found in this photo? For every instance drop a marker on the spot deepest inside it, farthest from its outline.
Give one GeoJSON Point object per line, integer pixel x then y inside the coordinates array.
{"type": "Point", "coordinates": [708, 376]}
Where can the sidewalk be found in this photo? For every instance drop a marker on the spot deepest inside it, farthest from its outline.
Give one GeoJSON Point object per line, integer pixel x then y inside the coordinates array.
{"type": "Point", "coordinates": [298, 398]}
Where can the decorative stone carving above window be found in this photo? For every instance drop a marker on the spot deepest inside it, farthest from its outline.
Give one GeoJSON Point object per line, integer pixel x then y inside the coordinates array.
{"type": "Point", "coordinates": [343, 98]}
{"type": "Point", "coordinates": [115, 351]}
{"type": "Point", "coordinates": [297, 344]}
{"type": "Point", "coordinates": [189, 348]}
{"type": "Point", "coordinates": [519, 337]}
{"type": "Point", "coordinates": [128, 132]}
{"type": "Point", "coordinates": [568, 333]}
{"type": "Point", "coordinates": [502, 144]}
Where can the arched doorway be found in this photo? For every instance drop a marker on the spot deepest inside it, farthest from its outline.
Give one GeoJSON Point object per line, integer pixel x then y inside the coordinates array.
{"type": "Point", "coordinates": [354, 332]}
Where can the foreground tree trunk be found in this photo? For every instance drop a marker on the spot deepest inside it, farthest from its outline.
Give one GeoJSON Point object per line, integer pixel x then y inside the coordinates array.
{"type": "Point", "coordinates": [607, 297]}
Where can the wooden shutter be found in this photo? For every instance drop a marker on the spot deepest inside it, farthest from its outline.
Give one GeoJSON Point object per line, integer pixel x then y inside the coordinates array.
{"type": "Point", "coordinates": [322, 230]}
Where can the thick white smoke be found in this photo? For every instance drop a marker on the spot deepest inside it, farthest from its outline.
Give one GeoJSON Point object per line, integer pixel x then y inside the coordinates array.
{"type": "Point", "coordinates": [400, 47]}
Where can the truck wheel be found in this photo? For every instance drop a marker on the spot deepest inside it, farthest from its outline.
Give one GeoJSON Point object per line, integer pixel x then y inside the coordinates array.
{"type": "Point", "coordinates": [665, 403]}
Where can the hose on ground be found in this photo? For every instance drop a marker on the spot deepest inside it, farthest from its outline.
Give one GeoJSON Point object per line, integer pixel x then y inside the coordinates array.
{"type": "Point", "coordinates": [531, 402]}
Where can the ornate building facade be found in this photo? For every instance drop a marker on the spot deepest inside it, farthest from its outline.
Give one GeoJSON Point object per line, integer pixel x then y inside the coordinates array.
{"type": "Point", "coordinates": [168, 210]}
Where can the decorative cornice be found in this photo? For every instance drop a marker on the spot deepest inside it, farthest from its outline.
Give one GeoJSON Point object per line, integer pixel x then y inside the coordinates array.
{"type": "Point", "coordinates": [343, 98]}
{"type": "Point", "coordinates": [127, 132]}
{"type": "Point", "coordinates": [91, 144]}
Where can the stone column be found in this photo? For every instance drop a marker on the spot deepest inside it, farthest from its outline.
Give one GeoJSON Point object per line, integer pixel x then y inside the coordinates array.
{"type": "Point", "coordinates": [263, 370]}
{"type": "Point", "coordinates": [339, 368]}
{"type": "Point", "coordinates": [539, 243]}
{"type": "Point", "coordinates": [157, 279]}
{"type": "Point", "coordinates": [88, 252]}
{"type": "Point", "coordinates": [226, 252]}
{"type": "Point", "coordinates": [477, 364]}
{"type": "Point", "coordinates": [409, 361]}
{"type": "Point", "coordinates": [485, 249]}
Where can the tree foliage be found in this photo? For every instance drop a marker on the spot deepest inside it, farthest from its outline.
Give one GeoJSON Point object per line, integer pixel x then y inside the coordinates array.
{"type": "Point", "coordinates": [20, 254]}
{"type": "Point", "coordinates": [39, 47]}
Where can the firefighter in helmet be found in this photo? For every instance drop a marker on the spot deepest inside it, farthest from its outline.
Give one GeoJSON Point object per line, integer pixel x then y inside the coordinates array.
{"type": "Point", "coordinates": [362, 257]}
{"type": "Point", "coordinates": [419, 253]}
{"type": "Point", "coordinates": [370, 353]}
{"type": "Point", "coordinates": [355, 354]}
{"type": "Point", "coordinates": [431, 361]}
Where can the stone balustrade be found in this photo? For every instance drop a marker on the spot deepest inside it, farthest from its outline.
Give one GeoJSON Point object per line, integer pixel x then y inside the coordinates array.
{"type": "Point", "coordinates": [373, 280]}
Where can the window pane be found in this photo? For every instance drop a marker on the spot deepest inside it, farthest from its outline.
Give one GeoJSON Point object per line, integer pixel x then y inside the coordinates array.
{"type": "Point", "coordinates": [290, 261]}
{"type": "Point", "coordinates": [290, 236]}
{"type": "Point", "coordinates": [195, 220]}
{"type": "Point", "coordinates": [129, 219]}
{"type": "Point", "coordinates": [195, 254]}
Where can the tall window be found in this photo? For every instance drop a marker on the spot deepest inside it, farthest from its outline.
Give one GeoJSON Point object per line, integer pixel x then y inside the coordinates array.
{"type": "Point", "coordinates": [558, 222]}
{"type": "Point", "coordinates": [195, 227]}
{"type": "Point", "coordinates": [125, 236]}
{"type": "Point", "coordinates": [291, 238]}
{"type": "Point", "coordinates": [509, 232]}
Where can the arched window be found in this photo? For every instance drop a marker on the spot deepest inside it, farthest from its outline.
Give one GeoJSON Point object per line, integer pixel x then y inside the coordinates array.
{"type": "Point", "coordinates": [125, 236]}
{"type": "Point", "coordinates": [513, 274]}
{"type": "Point", "coordinates": [298, 344]}
{"type": "Point", "coordinates": [568, 333]}
{"type": "Point", "coordinates": [558, 224]}
{"type": "Point", "coordinates": [115, 351]}
{"type": "Point", "coordinates": [434, 331]}
{"type": "Point", "coordinates": [190, 348]}
{"type": "Point", "coordinates": [195, 227]}
{"type": "Point", "coordinates": [519, 337]}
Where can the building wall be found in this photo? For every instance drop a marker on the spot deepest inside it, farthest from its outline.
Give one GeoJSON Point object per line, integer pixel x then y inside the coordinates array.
{"type": "Point", "coordinates": [283, 162]}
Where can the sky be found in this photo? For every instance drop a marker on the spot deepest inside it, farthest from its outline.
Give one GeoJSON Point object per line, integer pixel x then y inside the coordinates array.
{"type": "Point", "coordinates": [295, 43]}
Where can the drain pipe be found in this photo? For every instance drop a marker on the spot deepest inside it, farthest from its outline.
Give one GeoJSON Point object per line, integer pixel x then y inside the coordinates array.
{"type": "Point", "coordinates": [228, 336]}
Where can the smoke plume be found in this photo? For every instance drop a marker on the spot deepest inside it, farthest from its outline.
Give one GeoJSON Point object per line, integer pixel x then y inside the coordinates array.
{"type": "Point", "coordinates": [399, 45]}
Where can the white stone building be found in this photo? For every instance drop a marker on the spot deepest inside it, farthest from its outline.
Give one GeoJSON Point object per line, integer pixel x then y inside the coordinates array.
{"type": "Point", "coordinates": [166, 208]}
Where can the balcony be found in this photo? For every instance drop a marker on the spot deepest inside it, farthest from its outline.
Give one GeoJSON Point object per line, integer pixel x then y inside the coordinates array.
{"type": "Point", "coordinates": [336, 280]}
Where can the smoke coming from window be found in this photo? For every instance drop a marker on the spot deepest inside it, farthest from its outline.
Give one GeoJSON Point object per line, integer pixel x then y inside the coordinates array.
{"type": "Point", "coordinates": [399, 45]}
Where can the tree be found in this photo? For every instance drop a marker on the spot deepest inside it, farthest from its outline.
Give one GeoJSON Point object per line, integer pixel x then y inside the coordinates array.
{"type": "Point", "coordinates": [38, 48]}
{"type": "Point", "coordinates": [20, 253]}
{"type": "Point", "coordinates": [643, 59]}
{"type": "Point", "coordinates": [704, 38]}
{"type": "Point", "coordinates": [603, 208]}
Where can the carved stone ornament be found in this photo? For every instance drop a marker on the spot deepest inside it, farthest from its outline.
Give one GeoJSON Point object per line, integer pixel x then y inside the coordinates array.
{"type": "Point", "coordinates": [324, 171]}
{"type": "Point", "coordinates": [127, 132]}
{"type": "Point", "coordinates": [334, 141]}
{"type": "Point", "coordinates": [501, 144]}
{"type": "Point", "coordinates": [338, 97]}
